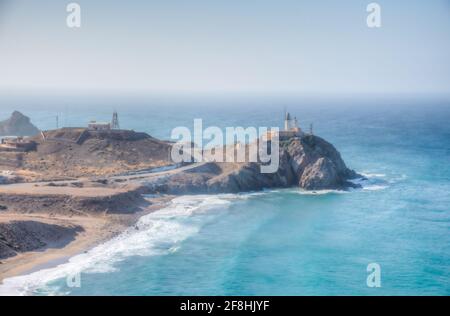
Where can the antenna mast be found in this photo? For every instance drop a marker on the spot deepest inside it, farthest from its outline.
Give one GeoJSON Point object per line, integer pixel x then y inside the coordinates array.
{"type": "Point", "coordinates": [115, 121]}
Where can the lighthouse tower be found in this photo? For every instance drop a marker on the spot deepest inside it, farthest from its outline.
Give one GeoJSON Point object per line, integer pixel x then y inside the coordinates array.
{"type": "Point", "coordinates": [288, 122]}
{"type": "Point", "coordinates": [291, 124]}
{"type": "Point", "coordinates": [291, 129]}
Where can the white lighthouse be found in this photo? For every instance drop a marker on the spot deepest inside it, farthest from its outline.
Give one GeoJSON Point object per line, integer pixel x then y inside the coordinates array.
{"type": "Point", "coordinates": [291, 129]}
{"type": "Point", "coordinates": [291, 124]}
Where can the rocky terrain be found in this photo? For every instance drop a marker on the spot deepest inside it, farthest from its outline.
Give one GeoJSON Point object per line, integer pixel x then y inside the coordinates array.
{"type": "Point", "coordinates": [23, 236]}
{"type": "Point", "coordinates": [317, 164]}
{"type": "Point", "coordinates": [90, 201]}
{"type": "Point", "coordinates": [78, 152]}
{"type": "Point", "coordinates": [18, 125]}
{"type": "Point", "coordinates": [308, 162]}
{"type": "Point", "coordinates": [65, 221]}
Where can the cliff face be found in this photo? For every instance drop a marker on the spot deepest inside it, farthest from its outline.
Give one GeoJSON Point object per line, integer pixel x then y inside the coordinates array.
{"type": "Point", "coordinates": [18, 125]}
{"type": "Point", "coordinates": [317, 164]}
{"type": "Point", "coordinates": [307, 162]}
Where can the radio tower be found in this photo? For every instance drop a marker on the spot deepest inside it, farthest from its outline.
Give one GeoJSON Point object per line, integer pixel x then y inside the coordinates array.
{"type": "Point", "coordinates": [115, 121]}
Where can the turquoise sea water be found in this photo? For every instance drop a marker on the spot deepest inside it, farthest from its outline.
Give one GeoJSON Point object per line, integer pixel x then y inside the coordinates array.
{"type": "Point", "coordinates": [281, 242]}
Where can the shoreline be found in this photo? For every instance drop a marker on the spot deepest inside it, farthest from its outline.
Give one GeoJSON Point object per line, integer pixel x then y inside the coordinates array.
{"type": "Point", "coordinates": [80, 214]}
{"type": "Point", "coordinates": [96, 230]}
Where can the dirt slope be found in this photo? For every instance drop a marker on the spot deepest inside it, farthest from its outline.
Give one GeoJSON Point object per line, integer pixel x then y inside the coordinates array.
{"type": "Point", "coordinates": [77, 152]}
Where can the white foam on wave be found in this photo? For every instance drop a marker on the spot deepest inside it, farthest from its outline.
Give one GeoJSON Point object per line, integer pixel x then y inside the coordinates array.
{"type": "Point", "coordinates": [375, 181]}
{"type": "Point", "coordinates": [375, 187]}
{"type": "Point", "coordinates": [373, 175]}
{"type": "Point", "coordinates": [157, 233]}
{"type": "Point", "coordinates": [390, 179]}
{"type": "Point", "coordinates": [321, 192]}
{"type": "Point", "coordinates": [398, 178]}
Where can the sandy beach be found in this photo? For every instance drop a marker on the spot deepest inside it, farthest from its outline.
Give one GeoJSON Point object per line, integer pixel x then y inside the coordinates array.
{"type": "Point", "coordinates": [94, 230]}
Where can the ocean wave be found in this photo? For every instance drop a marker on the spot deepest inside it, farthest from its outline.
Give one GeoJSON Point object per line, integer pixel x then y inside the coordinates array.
{"type": "Point", "coordinates": [373, 175]}
{"type": "Point", "coordinates": [387, 178]}
{"type": "Point", "coordinates": [375, 187]}
{"type": "Point", "coordinates": [320, 192]}
{"type": "Point", "coordinates": [373, 181]}
{"type": "Point", "coordinates": [398, 178]}
{"type": "Point", "coordinates": [157, 233]}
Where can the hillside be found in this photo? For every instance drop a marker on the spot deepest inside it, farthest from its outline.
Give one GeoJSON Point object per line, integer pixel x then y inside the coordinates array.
{"type": "Point", "coordinates": [76, 152]}
{"type": "Point", "coordinates": [18, 125]}
{"type": "Point", "coordinates": [21, 236]}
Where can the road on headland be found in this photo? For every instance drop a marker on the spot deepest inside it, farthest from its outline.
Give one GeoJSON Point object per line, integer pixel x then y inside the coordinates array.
{"type": "Point", "coordinates": [136, 175]}
{"type": "Point", "coordinates": [66, 187]}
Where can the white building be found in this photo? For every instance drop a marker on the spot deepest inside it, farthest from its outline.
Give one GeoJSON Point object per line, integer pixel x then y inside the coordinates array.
{"type": "Point", "coordinates": [99, 126]}
{"type": "Point", "coordinates": [291, 129]}
{"type": "Point", "coordinates": [291, 124]}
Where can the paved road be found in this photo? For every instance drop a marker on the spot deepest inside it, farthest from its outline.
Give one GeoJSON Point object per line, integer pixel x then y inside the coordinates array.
{"type": "Point", "coordinates": [63, 187]}
{"type": "Point", "coordinates": [152, 174]}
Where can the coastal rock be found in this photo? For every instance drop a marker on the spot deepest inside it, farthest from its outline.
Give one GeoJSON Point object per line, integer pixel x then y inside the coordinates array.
{"type": "Point", "coordinates": [320, 175]}
{"type": "Point", "coordinates": [18, 125]}
{"type": "Point", "coordinates": [317, 164]}
{"type": "Point", "coordinates": [308, 162]}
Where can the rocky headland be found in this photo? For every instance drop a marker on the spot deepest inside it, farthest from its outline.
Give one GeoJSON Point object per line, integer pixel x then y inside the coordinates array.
{"type": "Point", "coordinates": [18, 125]}
{"type": "Point", "coordinates": [307, 162]}
{"type": "Point", "coordinates": [99, 181]}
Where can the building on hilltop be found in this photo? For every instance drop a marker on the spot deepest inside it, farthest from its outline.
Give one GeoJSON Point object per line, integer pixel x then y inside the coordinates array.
{"type": "Point", "coordinates": [291, 129]}
{"type": "Point", "coordinates": [291, 124]}
{"type": "Point", "coordinates": [105, 126]}
{"type": "Point", "coordinates": [99, 126]}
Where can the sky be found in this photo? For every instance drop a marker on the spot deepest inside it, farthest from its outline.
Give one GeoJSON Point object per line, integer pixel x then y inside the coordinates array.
{"type": "Point", "coordinates": [232, 46]}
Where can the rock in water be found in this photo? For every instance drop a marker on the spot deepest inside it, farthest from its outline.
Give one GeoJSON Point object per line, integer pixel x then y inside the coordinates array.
{"type": "Point", "coordinates": [18, 125]}
{"type": "Point", "coordinates": [317, 164]}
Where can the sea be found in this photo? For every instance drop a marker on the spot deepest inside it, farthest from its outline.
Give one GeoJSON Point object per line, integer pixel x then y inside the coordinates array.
{"type": "Point", "coordinates": [277, 241]}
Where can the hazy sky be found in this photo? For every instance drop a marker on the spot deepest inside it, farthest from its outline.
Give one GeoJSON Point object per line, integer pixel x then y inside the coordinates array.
{"type": "Point", "coordinates": [256, 46]}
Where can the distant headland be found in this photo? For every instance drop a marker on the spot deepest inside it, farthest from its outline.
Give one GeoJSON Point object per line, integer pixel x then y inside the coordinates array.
{"type": "Point", "coordinates": [17, 125]}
